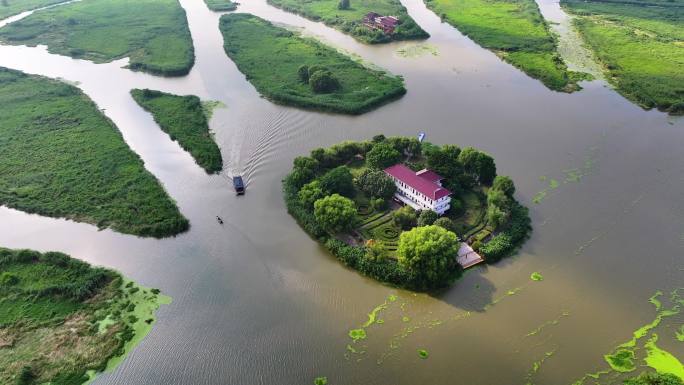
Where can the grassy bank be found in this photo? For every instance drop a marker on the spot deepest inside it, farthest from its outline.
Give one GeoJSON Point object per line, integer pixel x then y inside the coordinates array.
{"type": "Point", "coordinates": [350, 21]}
{"type": "Point", "coordinates": [63, 320]}
{"type": "Point", "coordinates": [61, 157]}
{"type": "Point", "coordinates": [272, 59]}
{"type": "Point", "coordinates": [184, 119]}
{"type": "Point", "coordinates": [13, 7]}
{"type": "Point", "coordinates": [516, 31]}
{"type": "Point", "coordinates": [153, 33]}
{"type": "Point", "coordinates": [640, 44]}
{"type": "Point", "coordinates": [220, 5]}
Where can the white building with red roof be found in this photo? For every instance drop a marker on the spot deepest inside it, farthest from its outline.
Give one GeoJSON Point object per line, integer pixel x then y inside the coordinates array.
{"type": "Point", "coordinates": [421, 190]}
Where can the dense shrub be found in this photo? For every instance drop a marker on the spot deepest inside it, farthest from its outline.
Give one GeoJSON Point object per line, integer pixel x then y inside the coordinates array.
{"type": "Point", "coordinates": [323, 81]}
{"type": "Point", "coordinates": [514, 234]}
{"type": "Point", "coordinates": [335, 213]}
{"type": "Point", "coordinates": [382, 155]}
{"type": "Point", "coordinates": [427, 217]}
{"type": "Point", "coordinates": [405, 217]}
{"type": "Point", "coordinates": [338, 180]}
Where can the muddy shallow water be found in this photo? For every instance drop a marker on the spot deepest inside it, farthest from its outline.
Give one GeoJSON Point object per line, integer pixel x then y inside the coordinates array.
{"type": "Point", "coordinates": [256, 301]}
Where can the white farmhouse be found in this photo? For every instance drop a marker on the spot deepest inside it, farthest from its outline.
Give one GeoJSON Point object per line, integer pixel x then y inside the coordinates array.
{"type": "Point", "coordinates": [421, 190]}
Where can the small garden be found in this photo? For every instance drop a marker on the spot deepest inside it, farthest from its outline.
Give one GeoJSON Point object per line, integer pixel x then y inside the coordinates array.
{"type": "Point", "coordinates": [342, 197]}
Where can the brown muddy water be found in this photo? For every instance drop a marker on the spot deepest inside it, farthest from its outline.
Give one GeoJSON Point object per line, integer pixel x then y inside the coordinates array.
{"type": "Point", "coordinates": [256, 301]}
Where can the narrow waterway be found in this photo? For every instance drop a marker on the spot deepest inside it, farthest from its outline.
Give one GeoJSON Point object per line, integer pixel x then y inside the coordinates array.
{"type": "Point", "coordinates": [256, 301]}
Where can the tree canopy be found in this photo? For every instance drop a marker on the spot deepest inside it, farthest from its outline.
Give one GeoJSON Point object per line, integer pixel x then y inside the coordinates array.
{"type": "Point", "coordinates": [310, 193]}
{"type": "Point", "coordinates": [338, 180]}
{"type": "Point", "coordinates": [382, 155]}
{"type": "Point", "coordinates": [428, 252]}
{"type": "Point", "coordinates": [376, 184]}
{"type": "Point", "coordinates": [478, 164]}
{"type": "Point", "coordinates": [405, 217]}
{"type": "Point", "coordinates": [427, 217]}
{"type": "Point", "coordinates": [651, 378]}
{"type": "Point", "coordinates": [335, 213]}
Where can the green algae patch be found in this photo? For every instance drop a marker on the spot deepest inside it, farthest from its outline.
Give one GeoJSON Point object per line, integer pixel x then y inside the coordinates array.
{"type": "Point", "coordinates": [539, 196]}
{"type": "Point", "coordinates": [357, 334]}
{"type": "Point", "coordinates": [679, 334]}
{"type": "Point", "coordinates": [621, 361]}
{"type": "Point", "coordinates": [656, 301]}
{"type": "Point", "coordinates": [321, 381]}
{"type": "Point", "coordinates": [553, 184]}
{"type": "Point", "coordinates": [536, 276]}
{"type": "Point", "coordinates": [547, 324]}
{"type": "Point", "coordinates": [405, 319]}
{"type": "Point", "coordinates": [423, 354]}
{"type": "Point", "coordinates": [661, 360]}
{"type": "Point", "coordinates": [417, 50]}
{"type": "Point", "coordinates": [209, 106]}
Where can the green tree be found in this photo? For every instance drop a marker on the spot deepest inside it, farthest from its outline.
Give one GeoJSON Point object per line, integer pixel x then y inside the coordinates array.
{"type": "Point", "coordinates": [650, 378]}
{"type": "Point", "coordinates": [478, 164]}
{"type": "Point", "coordinates": [429, 253]}
{"type": "Point", "coordinates": [310, 193]}
{"type": "Point", "coordinates": [405, 217]}
{"type": "Point", "coordinates": [406, 145]}
{"type": "Point", "coordinates": [343, 5]}
{"type": "Point", "coordinates": [375, 251]}
{"type": "Point", "coordinates": [299, 177]}
{"type": "Point", "coordinates": [382, 155]}
{"type": "Point", "coordinates": [446, 224]}
{"type": "Point", "coordinates": [303, 73]}
{"type": "Point", "coordinates": [376, 184]}
{"type": "Point", "coordinates": [338, 180]}
{"type": "Point", "coordinates": [335, 213]}
{"type": "Point", "coordinates": [504, 184]}
{"type": "Point", "coordinates": [323, 81]}
{"type": "Point", "coordinates": [427, 217]}
{"type": "Point", "coordinates": [306, 162]}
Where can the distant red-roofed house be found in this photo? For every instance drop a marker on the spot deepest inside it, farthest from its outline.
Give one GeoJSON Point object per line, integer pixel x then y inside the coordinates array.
{"type": "Point", "coordinates": [421, 190]}
{"type": "Point", "coordinates": [386, 24]}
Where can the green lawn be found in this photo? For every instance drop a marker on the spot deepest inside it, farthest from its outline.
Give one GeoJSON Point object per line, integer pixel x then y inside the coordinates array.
{"type": "Point", "coordinates": [220, 5]}
{"type": "Point", "coordinates": [350, 20]}
{"type": "Point", "coordinates": [153, 33]}
{"type": "Point", "coordinates": [270, 57]}
{"type": "Point", "coordinates": [13, 7]}
{"type": "Point", "coordinates": [61, 317]}
{"type": "Point", "coordinates": [184, 119]}
{"type": "Point", "coordinates": [641, 48]}
{"type": "Point", "coordinates": [516, 31]}
{"type": "Point", "coordinates": [61, 157]}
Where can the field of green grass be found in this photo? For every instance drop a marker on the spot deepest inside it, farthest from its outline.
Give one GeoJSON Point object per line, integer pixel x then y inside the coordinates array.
{"type": "Point", "coordinates": [516, 31]}
{"type": "Point", "coordinates": [61, 157]}
{"type": "Point", "coordinates": [640, 45]}
{"type": "Point", "coordinates": [184, 119]}
{"type": "Point", "coordinates": [270, 57]}
{"type": "Point", "coordinates": [13, 7]}
{"type": "Point", "coordinates": [61, 317]}
{"type": "Point", "coordinates": [153, 33]}
{"type": "Point", "coordinates": [220, 5]}
{"type": "Point", "coordinates": [350, 20]}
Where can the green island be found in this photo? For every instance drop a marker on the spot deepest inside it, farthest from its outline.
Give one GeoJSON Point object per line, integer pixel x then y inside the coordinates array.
{"type": "Point", "coordinates": [640, 45]}
{"type": "Point", "coordinates": [61, 157]}
{"type": "Point", "coordinates": [154, 34]}
{"type": "Point", "coordinates": [369, 21]}
{"type": "Point", "coordinates": [359, 200]}
{"type": "Point", "coordinates": [185, 120]}
{"type": "Point", "coordinates": [221, 5]}
{"type": "Point", "coordinates": [63, 321]}
{"type": "Point", "coordinates": [13, 7]}
{"type": "Point", "coordinates": [516, 31]}
{"type": "Point", "coordinates": [301, 72]}
{"type": "Point", "coordinates": [654, 378]}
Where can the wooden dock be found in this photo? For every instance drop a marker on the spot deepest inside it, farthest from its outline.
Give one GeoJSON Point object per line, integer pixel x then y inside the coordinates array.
{"type": "Point", "coordinates": [467, 257]}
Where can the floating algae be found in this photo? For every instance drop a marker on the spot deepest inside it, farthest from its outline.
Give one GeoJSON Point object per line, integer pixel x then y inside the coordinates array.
{"type": "Point", "coordinates": [208, 107]}
{"type": "Point", "coordinates": [622, 360]}
{"type": "Point", "coordinates": [321, 381]}
{"type": "Point", "coordinates": [537, 365]}
{"type": "Point", "coordinates": [405, 319]}
{"type": "Point", "coordinates": [538, 197]}
{"type": "Point", "coordinates": [417, 50]}
{"type": "Point", "coordinates": [679, 334]}
{"type": "Point", "coordinates": [546, 324]}
{"type": "Point", "coordinates": [536, 276]}
{"type": "Point", "coordinates": [553, 184]}
{"type": "Point", "coordinates": [661, 360]}
{"type": "Point", "coordinates": [422, 353]}
{"type": "Point", "coordinates": [357, 334]}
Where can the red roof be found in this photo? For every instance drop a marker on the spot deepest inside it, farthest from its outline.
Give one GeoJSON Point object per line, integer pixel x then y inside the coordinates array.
{"type": "Point", "coordinates": [423, 183]}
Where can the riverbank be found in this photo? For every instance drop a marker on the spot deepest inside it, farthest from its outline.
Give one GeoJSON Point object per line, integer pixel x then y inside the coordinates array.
{"type": "Point", "coordinates": [63, 158]}
{"type": "Point", "coordinates": [350, 20]}
{"type": "Point", "coordinates": [63, 321]}
{"type": "Point", "coordinates": [185, 119]}
{"type": "Point", "coordinates": [15, 7]}
{"type": "Point", "coordinates": [154, 34]}
{"type": "Point", "coordinates": [641, 48]}
{"type": "Point", "coordinates": [516, 32]}
{"type": "Point", "coordinates": [302, 72]}
{"type": "Point", "coordinates": [220, 5]}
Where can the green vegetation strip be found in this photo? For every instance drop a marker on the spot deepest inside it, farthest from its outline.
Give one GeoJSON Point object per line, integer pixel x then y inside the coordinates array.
{"type": "Point", "coordinates": [641, 48]}
{"type": "Point", "coordinates": [13, 7]}
{"type": "Point", "coordinates": [221, 5]}
{"type": "Point", "coordinates": [153, 33]}
{"type": "Point", "coordinates": [61, 157]}
{"type": "Point", "coordinates": [350, 19]}
{"type": "Point", "coordinates": [516, 31]}
{"type": "Point", "coordinates": [63, 321]}
{"type": "Point", "coordinates": [271, 58]}
{"type": "Point", "coordinates": [184, 119]}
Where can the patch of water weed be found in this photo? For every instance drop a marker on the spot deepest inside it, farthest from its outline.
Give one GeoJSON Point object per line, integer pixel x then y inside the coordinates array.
{"type": "Point", "coordinates": [661, 360]}
{"type": "Point", "coordinates": [536, 365]}
{"type": "Point", "coordinates": [422, 353]}
{"type": "Point", "coordinates": [417, 50]}
{"type": "Point", "coordinates": [553, 322]}
{"type": "Point", "coordinates": [321, 381]}
{"type": "Point", "coordinates": [536, 276]}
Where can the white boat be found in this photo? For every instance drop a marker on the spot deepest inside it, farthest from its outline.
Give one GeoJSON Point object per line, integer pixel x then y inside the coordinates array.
{"type": "Point", "coordinates": [421, 136]}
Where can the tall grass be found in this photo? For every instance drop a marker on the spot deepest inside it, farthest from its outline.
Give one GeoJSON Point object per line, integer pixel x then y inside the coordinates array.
{"type": "Point", "coordinates": [270, 57]}
{"type": "Point", "coordinates": [153, 33]}
{"type": "Point", "coordinates": [12, 7]}
{"type": "Point", "coordinates": [61, 157]}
